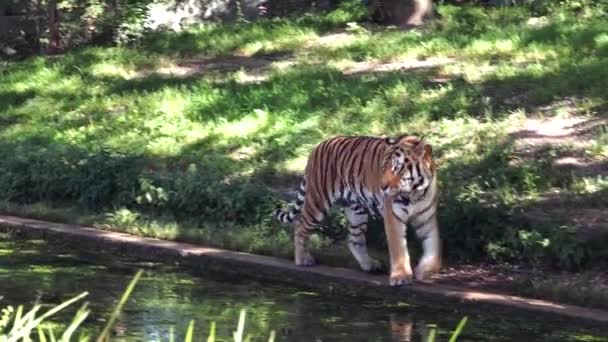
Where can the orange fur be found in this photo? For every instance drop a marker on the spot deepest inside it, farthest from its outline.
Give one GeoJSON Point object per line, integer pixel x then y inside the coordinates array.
{"type": "Point", "coordinates": [368, 173]}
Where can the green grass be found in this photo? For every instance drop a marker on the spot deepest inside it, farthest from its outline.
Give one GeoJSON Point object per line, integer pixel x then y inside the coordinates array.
{"type": "Point", "coordinates": [581, 290]}
{"type": "Point", "coordinates": [106, 136]}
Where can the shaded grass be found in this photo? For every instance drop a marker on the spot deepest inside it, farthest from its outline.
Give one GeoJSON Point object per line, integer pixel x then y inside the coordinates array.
{"type": "Point", "coordinates": [583, 290]}
{"type": "Point", "coordinates": [198, 158]}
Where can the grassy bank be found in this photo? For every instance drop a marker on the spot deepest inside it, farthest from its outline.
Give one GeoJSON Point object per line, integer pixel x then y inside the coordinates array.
{"type": "Point", "coordinates": [196, 136]}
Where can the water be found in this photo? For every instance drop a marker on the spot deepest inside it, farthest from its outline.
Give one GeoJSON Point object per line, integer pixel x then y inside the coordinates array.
{"type": "Point", "coordinates": [168, 298]}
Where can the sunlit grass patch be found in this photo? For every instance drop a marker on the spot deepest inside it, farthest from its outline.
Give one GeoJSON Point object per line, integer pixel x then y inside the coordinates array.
{"type": "Point", "coordinates": [247, 39]}
{"type": "Point", "coordinates": [599, 147]}
{"type": "Point", "coordinates": [587, 185]}
{"type": "Point", "coordinates": [102, 128]}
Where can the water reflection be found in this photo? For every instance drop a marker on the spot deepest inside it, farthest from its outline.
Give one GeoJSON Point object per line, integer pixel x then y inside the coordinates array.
{"type": "Point", "coordinates": [402, 328]}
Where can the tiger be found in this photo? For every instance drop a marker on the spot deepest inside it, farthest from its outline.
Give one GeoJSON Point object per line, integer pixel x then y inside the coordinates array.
{"type": "Point", "coordinates": [394, 178]}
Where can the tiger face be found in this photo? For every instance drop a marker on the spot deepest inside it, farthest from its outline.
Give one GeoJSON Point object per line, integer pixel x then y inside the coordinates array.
{"type": "Point", "coordinates": [409, 167]}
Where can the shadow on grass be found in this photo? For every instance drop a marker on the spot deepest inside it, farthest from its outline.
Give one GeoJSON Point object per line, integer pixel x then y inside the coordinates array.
{"type": "Point", "coordinates": [222, 177]}
{"type": "Point", "coordinates": [263, 36]}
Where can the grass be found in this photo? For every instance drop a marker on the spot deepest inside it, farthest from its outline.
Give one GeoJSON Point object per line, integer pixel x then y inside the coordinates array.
{"type": "Point", "coordinates": [586, 289]}
{"type": "Point", "coordinates": [157, 140]}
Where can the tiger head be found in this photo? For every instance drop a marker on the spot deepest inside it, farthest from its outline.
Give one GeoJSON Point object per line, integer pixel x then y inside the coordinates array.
{"type": "Point", "coordinates": [408, 166]}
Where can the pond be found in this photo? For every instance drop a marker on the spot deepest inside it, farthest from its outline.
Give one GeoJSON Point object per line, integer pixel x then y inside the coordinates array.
{"type": "Point", "coordinates": [168, 298]}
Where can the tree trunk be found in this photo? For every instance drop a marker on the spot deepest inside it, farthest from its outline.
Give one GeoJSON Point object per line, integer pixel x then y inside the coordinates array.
{"type": "Point", "coordinates": [401, 12]}
{"type": "Point", "coordinates": [54, 36]}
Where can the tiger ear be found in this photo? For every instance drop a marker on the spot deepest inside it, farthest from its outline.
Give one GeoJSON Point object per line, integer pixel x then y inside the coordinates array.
{"type": "Point", "coordinates": [428, 151]}
{"type": "Point", "coordinates": [391, 140]}
{"type": "Point", "coordinates": [394, 140]}
{"type": "Point", "coordinates": [428, 155]}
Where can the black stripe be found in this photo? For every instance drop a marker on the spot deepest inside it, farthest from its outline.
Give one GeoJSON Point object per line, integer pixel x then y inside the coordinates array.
{"type": "Point", "coordinates": [355, 144]}
{"type": "Point", "coordinates": [358, 226]}
{"type": "Point", "coordinates": [420, 225]}
{"type": "Point", "coordinates": [427, 208]}
{"type": "Point", "coordinates": [299, 202]}
{"type": "Point", "coordinates": [331, 159]}
{"type": "Point", "coordinates": [403, 199]}
{"type": "Point", "coordinates": [356, 234]}
{"type": "Point", "coordinates": [346, 155]}
{"type": "Point", "coordinates": [420, 178]}
{"type": "Point", "coordinates": [427, 188]}
{"type": "Point", "coordinates": [332, 177]}
{"type": "Point", "coordinates": [350, 160]}
{"type": "Point", "coordinates": [321, 172]}
{"type": "Point", "coordinates": [363, 159]}
{"type": "Point", "coordinates": [327, 199]}
{"type": "Point", "coordinates": [339, 146]}
{"type": "Point", "coordinates": [308, 228]}
{"type": "Point", "coordinates": [398, 172]}
{"type": "Point", "coordinates": [316, 190]}
{"type": "Point", "coordinates": [351, 171]}
{"type": "Point", "coordinates": [399, 218]}
{"type": "Point", "coordinates": [328, 190]}
{"type": "Point", "coordinates": [374, 153]}
{"type": "Point", "coordinates": [316, 206]}
{"type": "Point", "coordinates": [309, 214]}
{"type": "Point", "coordinates": [306, 222]}
{"type": "Point", "coordinates": [361, 192]}
{"type": "Point", "coordinates": [328, 176]}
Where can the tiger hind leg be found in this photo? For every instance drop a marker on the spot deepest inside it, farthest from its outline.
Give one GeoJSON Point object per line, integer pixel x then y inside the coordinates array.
{"type": "Point", "coordinates": [357, 218]}
{"type": "Point", "coordinates": [302, 256]}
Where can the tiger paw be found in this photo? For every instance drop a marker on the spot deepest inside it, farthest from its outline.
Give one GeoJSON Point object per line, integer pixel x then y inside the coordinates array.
{"type": "Point", "coordinates": [426, 268]}
{"type": "Point", "coordinates": [305, 260]}
{"type": "Point", "coordinates": [374, 266]}
{"type": "Point", "coordinates": [399, 279]}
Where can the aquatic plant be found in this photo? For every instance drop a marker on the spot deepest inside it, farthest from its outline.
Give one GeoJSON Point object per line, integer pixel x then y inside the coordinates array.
{"type": "Point", "coordinates": [15, 325]}
{"type": "Point", "coordinates": [23, 324]}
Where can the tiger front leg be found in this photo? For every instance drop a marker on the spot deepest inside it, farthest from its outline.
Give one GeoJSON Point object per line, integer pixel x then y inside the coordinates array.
{"type": "Point", "coordinates": [427, 230]}
{"type": "Point", "coordinates": [401, 270]}
{"type": "Point", "coordinates": [302, 256]}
